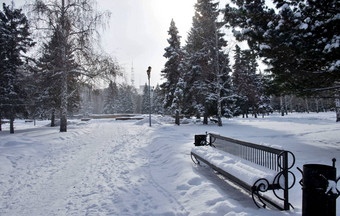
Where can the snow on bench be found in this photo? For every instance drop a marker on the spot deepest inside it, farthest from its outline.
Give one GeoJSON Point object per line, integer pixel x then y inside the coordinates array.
{"type": "Point", "coordinates": [254, 167]}
{"type": "Point", "coordinates": [238, 167]}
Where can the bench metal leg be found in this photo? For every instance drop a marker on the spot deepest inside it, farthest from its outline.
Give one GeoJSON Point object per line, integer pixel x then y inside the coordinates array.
{"type": "Point", "coordinates": [194, 159]}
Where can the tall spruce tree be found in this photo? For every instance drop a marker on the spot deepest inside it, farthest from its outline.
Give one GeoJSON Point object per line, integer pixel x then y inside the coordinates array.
{"type": "Point", "coordinates": [157, 101]}
{"type": "Point", "coordinates": [125, 99]}
{"type": "Point", "coordinates": [56, 56]}
{"type": "Point", "coordinates": [177, 103]}
{"type": "Point", "coordinates": [111, 98]}
{"type": "Point", "coordinates": [246, 83]}
{"type": "Point", "coordinates": [239, 84]}
{"type": "Point", "coordinates": [145, 100]}
{"type": "Point", "coordinates": [207, 79]}
{"type": "Point", "coordinates": [173, 67]}
{"type": "Point", "coordinates": [14, 42]}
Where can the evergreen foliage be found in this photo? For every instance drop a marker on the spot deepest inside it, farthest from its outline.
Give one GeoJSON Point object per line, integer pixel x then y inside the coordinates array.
{"type": "Point", "coordinates": [207, 74]}
{"type": "Point", "coordinates": [14, 42]}
{"type": "Point", "coordinates": [145, 99]}
{"type": "Point", "coordinates": [177, 102]}
{"type": "Point", "coordinates": [124, 102]}
{"type": "Point", "coordinates": [173, 69]}
{"type": "Point", "coordinates": [56, 56]}
{"type": "Point", "coordinates": [299, 41]}
{"type": "Point", "coordinates": [111, 97]}
{"type": "Point", "coordinates": [157, 101]}
{"type": "Point", "coordinates": [247, 84]}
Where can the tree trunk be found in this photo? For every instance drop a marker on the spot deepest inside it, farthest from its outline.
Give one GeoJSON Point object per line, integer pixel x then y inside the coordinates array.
{"type": "Point", "coordinates": [53, 118]}
{"type": "Point", "coordinates": [281, 106]}
{"type": "Point", "coordinates": [337, 107]}
{"type": "Point", "coordinates": [317, 105]}
{"type": "Point", "coordinates": [63, 108]}
{"type": "Point", "coordinates": [322, 106]}
{"type": "Point", "coordinates": [218, 78]}
{"type": "Point", "coordinates": [219, 111]}
{"type": "Point", "coordinates": [219, 121]}
{"type": "Point", "coordinates": [286, 105]}
{"type": "Point", "coordinates": [205, 118]}
{"type": "Point", "coordinates": [63, 122]}
{"type": "Point", "coordinates": [307, 106]}
{"type": "Point", "coordinates": [11, 124]}
{"type": "Point", "coordinates": [177, 121]}
{"type": "Point", "coordinates": [291, 103]}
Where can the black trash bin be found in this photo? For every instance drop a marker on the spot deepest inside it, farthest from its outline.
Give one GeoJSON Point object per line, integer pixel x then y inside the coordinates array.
{"type": "Point", "coordinates": [315, 200]}
{"type": "Point", "coordinates": [200, 140]}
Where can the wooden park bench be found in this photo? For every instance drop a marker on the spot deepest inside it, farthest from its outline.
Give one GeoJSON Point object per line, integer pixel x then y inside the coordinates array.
{"type": "Point", "coordinates": [256, 168]}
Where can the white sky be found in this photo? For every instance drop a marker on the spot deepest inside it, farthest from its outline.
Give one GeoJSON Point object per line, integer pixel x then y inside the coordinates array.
{"type": "Point", "coordinates": [138, 32]}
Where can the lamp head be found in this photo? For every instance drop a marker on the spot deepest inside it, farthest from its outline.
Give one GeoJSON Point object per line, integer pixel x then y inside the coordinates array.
{"type": "Point", "coordinates": [149, 71]}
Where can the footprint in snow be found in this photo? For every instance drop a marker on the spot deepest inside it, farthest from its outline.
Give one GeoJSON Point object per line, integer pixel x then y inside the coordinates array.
{"type": "Point", "coordinates": [183, 187]}
{"type": "Point", "coordinates": [195, 181]}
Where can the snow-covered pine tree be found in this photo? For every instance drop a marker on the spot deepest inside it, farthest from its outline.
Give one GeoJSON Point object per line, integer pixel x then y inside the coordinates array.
{"type": "Point", "coordinates": [111, 97]}
{"type": "Point", "coordinates": [247, 84]}
{"type": "Point", "coordinates": [125, 99]}
{"type": "Point", "coordinates": [198, 60]}
{"type": "Point", "coordinates": [145, 99]}
{"type": "Point", "coordinates": [239, 83]}
{"type": "Point", "coordinates": [264, 106]}
{"type": "Point", "coordinates": [157, 101]}
{"type": "Point", "coordinates": [173, 68]}
{"type": "Point", "coordinates": [15, 40]}
{"type": "Point", "coordinates": [207, 73]}
{"type": "Point", "coordinates": [52, 64]}
{"type": "Point", "coordinates": [177, 102]}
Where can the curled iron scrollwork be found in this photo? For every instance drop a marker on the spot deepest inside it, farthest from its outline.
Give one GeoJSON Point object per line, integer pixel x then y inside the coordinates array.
{"type": "Point", "coordinates": [279, 181]}
{"type": "Point", "coordinates": [261, 185]}
{"type": "Point", "coordinates": [279, 161]}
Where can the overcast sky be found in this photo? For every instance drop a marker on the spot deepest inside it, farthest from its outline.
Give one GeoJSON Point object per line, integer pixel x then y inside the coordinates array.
{"type": "Point", "coordinates": [138, 32]}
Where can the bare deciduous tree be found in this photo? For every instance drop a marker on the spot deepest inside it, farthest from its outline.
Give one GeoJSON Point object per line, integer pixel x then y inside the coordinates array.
{"type": "Point", "coordinates": [78, 22]}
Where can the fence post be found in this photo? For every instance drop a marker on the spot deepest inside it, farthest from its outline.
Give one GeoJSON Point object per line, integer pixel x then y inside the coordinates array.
{"type": "Point", "coordinates": [285, 174]}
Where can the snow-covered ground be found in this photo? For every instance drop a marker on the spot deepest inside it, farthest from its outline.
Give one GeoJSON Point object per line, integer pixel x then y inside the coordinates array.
{"type": "Point", "coordinates": [108, 167]}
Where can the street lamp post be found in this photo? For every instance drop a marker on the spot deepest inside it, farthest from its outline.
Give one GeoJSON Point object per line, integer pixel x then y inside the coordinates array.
{"type": "Point", "coordinates": [149, 74]}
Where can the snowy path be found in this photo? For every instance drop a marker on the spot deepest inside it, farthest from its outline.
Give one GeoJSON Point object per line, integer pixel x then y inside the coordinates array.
{"type": "Point", "coordinates": [100, 169]}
